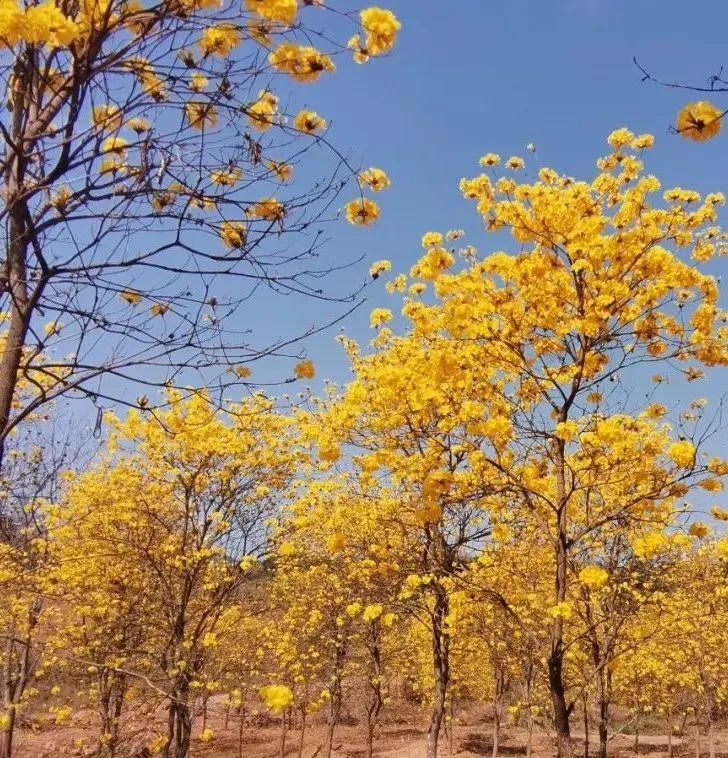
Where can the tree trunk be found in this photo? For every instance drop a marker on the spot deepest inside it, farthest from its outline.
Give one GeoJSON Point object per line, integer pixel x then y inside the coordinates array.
{"type": "Point", "coordinates": [529, 720]}
{"type": "Point", "coordinates": [241, 729]}
{"type": "Point", "coordinates": [696, 733]}
{"type": "Point", "coordinates": [329, 745]}
{"type": "Point", "coordinates": [335, 699]}
{"type": "Point", "coordinates": [452, 730]}
{"type": "Point", "coordinates": [112, 687]}
{"type": "Point", "coordinates": [284, 730]}
{"type": "Point", "coordinates": [374, 684]}
{"type": "Point", "coordinates": [604, 698]}
{"type": "Point", "coordinates": [303, 733]}
{"type": "Point", "coordinates": [15, 275]}
{"type": "Point", "coordinates": [205, 696]}
{"type": "Point", "coordinates": [16, 671]}
{"type": "Point", "coordinates": [6, 736]}
{"type": "Point", "coordinates": [557, 689]}
{"type": "Point", "coordinates": [179, 722]}
{"type": "Point", "coordinates": [441, 668]}
{"type": "Point", "coordinates": [669, 738]}
{"type": "Point", "coordinates": [586, 726]}
{"type": "Point", "coordinates": [529, 741]}
{"type": "Point", "coordinates": [496, 730]}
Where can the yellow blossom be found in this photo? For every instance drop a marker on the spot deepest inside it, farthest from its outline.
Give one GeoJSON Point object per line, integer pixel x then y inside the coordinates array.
{"type": "Point", "coordinates": [361, 211]}
{"type": "Point", "coordinates": [201, 114]}
{"type": "Point", "coordinates": [699, 121]}
{"type": "Point", "coordinates": [219, 40]}
{"type": "Point", "coordinates": [309, 122]}
{"type": "Point", "coordinates": [375, 179]}
{"type": "Point", "coordinates": [381, 27]}
{"type": "Point", "coordinates": [304, 370]}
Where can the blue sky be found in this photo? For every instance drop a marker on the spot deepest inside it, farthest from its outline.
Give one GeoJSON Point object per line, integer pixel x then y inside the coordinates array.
{"type": "Point", "coordinates": [471, 76]}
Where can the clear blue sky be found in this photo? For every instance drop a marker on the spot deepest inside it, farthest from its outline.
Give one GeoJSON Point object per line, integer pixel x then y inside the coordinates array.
{"type": "Point", "coordinates": [472, 76]}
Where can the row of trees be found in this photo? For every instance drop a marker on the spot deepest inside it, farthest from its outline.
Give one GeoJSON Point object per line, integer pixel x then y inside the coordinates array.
{"type": "Point", "coordinates": [487, 510]}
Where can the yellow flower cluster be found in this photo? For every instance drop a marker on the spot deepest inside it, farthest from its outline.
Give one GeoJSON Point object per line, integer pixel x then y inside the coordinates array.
{"type": "Point", "coordinates": [276, 696]}
{"type": "Point", "coordinates": [361, 212]}
{"type": "Point", "coordinates": [304, 370]}
{"type": "Point", "coordinates": [302, 62]}
{"type": "Point", "coordinates": [593, 577]}
{"type": "Point", "coordinates": [699, 121]}
{"type": "Point", "coordinates": [262, 112]}
{"type": "Point", "coordinates": [277, 11]}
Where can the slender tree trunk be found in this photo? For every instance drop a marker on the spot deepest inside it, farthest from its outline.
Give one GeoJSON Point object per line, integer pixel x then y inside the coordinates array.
{"type": "Point", "coordinates": [284, 730]}
{"type": "Point", "coordinates": [557, 689]}
{"type": "Point", "coordinates": [441, 668]}
{"type": "Point", "coordinates": [330, 730]}
{"type": "Point", "coordinates": [696, 733]}
{"type": "Point", "coordinates": [205, 697]}
{"type": "Point", "coordinates": [496, 729]}
{"type": "Point", "coordinates": [711, 732]}
{"type": "Point", "coordinates": [6, 736]}
{"type": "Point", "coordinates": [529, 719]}
{"type": "Point", "coordinates": [604, 698]}
{"type": "Point", "coordinates": [241, 729]}
{"type": "Point", "coordinates": [179, 722]}
{"type": "Point", "coordinates": [335, 699]}
{"type": "Point", "coordinates": [16, 671]}
{"type": "Point", "coordinates": [374, 684]}
{"type": "Point", "coordinates": [303, 733]}
{"type": "Point", "coordinates": [15, 275]}
{"type": "Point", "coordinates": [669, 738]}
{"type": "Point", "coordinates": [585, 705]}
{"type": "Point", "coordinates": [529, 739]}
{"type": "Point", "coordinates": [112, 687]}
{"type": "Point", "coordinates": [452, 728]}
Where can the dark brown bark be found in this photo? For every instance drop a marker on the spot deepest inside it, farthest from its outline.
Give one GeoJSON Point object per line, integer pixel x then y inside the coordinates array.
{"type": "Point", "coordinates": [441, 668]}
{"type": "Point", "coordinates": [241, 729]}
{"type": "Point", "coordinates": [561, 710]}
{"type": "Point", "coordinates": [604, 700]}
{"type": "Point", "coordinates": [336, 698]}
{"type": "Point", "coordinates": [179, 721]}
{"type": "Point", "coordinates": [284, 732]}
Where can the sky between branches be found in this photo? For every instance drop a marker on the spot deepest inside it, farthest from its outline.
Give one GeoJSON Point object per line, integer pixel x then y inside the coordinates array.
{"type": "Point", "coordinates": [474, 76]}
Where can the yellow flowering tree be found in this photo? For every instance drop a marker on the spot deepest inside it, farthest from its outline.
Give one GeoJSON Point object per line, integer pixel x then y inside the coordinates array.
{"type": "Point", "coordinates": [172, 514]}
{"type": "Point", "coordinates": [596, 291]}
{"type": "Point", "coordinates": [334, 587]}
{"type": "Point", "coordinates": [149, 187]}
{"type": "Point", "coordinates": [418, 417]}
{"type": "Point", "coordinates": [36, 457]}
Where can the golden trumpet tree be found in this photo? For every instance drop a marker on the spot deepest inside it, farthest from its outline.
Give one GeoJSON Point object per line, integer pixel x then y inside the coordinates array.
{"type": "Point", "coordinates": [678, 670]}
{"type": "Point", "coordinates": [537, 342]}
{"type": "Point", "coordinates": [169, 520]}
{"type": "Point", "coordinates": [417, 418]}
{"type": "Point", "coordinates": [335, 583]}
{"type": "Point", "coordinates": [32, 475]}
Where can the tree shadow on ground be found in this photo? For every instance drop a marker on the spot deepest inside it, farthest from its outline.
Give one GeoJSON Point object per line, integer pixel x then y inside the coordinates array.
{"type": "Point", "coordinates": [481, 744]}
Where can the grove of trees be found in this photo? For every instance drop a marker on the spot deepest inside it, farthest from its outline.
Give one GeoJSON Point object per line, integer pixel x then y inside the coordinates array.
{"type": "Point", "coordinates": [487, 513]}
